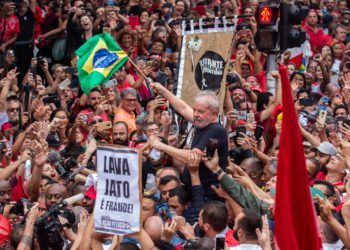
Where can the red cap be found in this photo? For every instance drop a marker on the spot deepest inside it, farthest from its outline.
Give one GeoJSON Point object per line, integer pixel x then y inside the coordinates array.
{"type": "Point", "coordinates": [91, 192]}
{"type": "Point", "coordinates": [5, 229]}
{"type": "Point", "coordinates": [5, 127]}
{"type": "Point", "coordinates": [256, 88]}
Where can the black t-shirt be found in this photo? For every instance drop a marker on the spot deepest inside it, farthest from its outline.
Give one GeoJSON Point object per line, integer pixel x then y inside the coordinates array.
{"type": "Point", "coordinates": [26, 23]}
{"type": "Point", "coordinates": [148, 173]}
{"type": "Point", "coordinates": [200, 141]}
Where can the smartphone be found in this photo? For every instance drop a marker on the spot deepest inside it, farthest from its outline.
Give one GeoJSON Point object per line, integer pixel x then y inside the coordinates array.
{"type": "Point", "coordinates": [163, 211]}
{"type": "Point", "coordinates": [142, 117]}
{"type": "Point", "coordinates": [347, 122]}
{"type": "Point", "coordinates": [325, 99]}
{"type": "Point", "coordinates": [322, 117]}
{"type": "Point", "coordinates": [259, 130]}
{"type": "Point", "coordinates": [240, 129]}
{"type": "Point", "coordinates": [250, 117]}
{"type": "Point", "coordinates": [211, 147]}
{"type": "Point", "coordinates": [306, 102]}
{"type": "Point", "coordinates": [149, 63]}
{"type": "Point", "coordinates": [50, 99]}
{"type": "Point", "coordinates": [220, 242]}
{"type": "Point", "coordinates": [154, 154]}
{"type": "Point", "coordinates": [33, 70]}
{"type": "Point", "coordinates": [242, 115]}
{"type": "Point", "coordinates": [104, 126]}
{"type": "Point", "coordinates": [70, 70]}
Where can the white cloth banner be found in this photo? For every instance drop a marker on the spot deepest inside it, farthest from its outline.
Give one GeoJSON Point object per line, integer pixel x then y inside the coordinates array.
{"type": "Point", "coordinates": [117, 207]}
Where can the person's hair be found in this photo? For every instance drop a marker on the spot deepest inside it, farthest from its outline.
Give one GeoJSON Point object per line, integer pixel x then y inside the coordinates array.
{"type": "Point", "coordinates": [128, 246]}
{"type": "Point", "coordinates": [215, 214]}
{"type": "Point", "coordinates": [164, 245]}
{"type": "Point", "coordinates": [52, 116]}
{"type": "Point", "coordinates": [75, 186]}
{"type": "Point", "coordinates": [263, 99]}
{"type": "Point", "coordinates": [168, 178]}
{"type": "Point", "coordinates": [122, 123]}
{"type": "Point", "coordinates": [148, 124]}
{"type": "Point", "coordinates": [256, 164]}
{"type": "Point", "coordinates": [293, 64]}
{"type": "Point", "coordinates": [181, 195]}
{"type": "Point", "coordinates": [210, 98]}
{"type": "Point", "coordinates": [298, 73]}
{"type": "Point", "coordinates": [177, 173]}
{"type": "Point", "coordinates": [95, 89]}
{"type": "Point", "coordinates": [340, 107]}
{"type": "Point", "coordinates": [154, 199]}
{"type": "Point", "coordinates": [330, 189]}
{"type": "Point", "coordinates": [128, 91]}
{"type": "Point", "coordinates": [300, 91]}
{"type": "Point", "coordinates": [55, 66]}
{"type": "Point", "coordinates": [249, 223]}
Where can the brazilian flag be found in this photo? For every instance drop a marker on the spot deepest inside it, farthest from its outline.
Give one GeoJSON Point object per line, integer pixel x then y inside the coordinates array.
{"type": "Point", "coordinates": [99, 58]}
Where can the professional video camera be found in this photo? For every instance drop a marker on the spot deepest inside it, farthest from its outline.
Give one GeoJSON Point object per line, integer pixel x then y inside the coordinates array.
{"type": "Point", "coordinates": [61, 165]}
{"type": "Point", "coordinates": [48, 229]}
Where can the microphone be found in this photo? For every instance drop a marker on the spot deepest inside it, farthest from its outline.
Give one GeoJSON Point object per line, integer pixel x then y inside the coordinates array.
{"type": "Point", "coordinates": [71, 200]}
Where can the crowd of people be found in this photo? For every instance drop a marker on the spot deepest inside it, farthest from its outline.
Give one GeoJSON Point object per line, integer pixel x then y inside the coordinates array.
{"type": "Point", "coordinates": [214, 173]}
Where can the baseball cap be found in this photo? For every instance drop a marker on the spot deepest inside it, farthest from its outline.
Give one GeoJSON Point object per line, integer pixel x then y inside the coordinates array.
{"type": "Point", "coordinates": [256, 88]}
{"type": "Point", "coordinates": [327, 148]}
{"type": "Point", "coordinates": [5, 229]}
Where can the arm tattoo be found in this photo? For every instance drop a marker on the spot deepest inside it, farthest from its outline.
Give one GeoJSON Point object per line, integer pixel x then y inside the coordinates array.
{"type": "Point", "coordinates": [27, 240]}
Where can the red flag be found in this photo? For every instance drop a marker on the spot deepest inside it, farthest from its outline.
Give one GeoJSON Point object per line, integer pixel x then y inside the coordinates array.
{"type": "Point", "coordinates": [295, 217]}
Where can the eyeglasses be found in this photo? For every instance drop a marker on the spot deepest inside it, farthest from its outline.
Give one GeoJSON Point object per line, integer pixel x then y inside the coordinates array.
{"type": "Point", "coordinates": [13, 110]}
{"type": "Point", "coordinates": [93, 122]}
{"type": "Point", "coordinates": [131, 100]}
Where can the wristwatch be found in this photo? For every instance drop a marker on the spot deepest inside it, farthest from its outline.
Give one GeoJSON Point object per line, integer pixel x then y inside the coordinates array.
{"type": "Point", "coordinates": [219, 172]}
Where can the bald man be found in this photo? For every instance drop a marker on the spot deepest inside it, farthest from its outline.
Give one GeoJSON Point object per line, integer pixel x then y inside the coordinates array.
{"type": "Point", "coordinates": [55, 194]}
{"type": "Point", "coordinates": [153, 227]}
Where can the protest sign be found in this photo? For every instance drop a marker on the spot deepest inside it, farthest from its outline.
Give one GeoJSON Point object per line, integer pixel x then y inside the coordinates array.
{"type": "Point", "coordinates": [117, 207]}
{"type": "Point", "coordinates": [203, 62]}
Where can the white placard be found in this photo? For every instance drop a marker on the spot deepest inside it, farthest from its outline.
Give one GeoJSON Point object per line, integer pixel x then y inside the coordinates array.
{"type": "Point", "coordinates": [117, 207]}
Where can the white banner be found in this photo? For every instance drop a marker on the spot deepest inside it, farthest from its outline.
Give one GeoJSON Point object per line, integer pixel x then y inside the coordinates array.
{"type": "Point", "coordinates": [117, 207]}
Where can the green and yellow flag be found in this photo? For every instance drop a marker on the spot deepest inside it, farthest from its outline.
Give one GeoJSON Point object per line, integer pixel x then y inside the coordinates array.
{"type": "Point", "coordinates": [99, 58]}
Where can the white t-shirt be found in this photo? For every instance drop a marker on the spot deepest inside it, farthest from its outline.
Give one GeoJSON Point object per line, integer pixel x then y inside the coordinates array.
{"type": "Point", "coordinates": [246, 247]}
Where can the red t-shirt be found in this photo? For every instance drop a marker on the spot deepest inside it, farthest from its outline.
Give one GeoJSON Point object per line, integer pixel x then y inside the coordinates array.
{"type": "Point", "coordinates": [316, 38]}
{"type": "Point", "coordinates": [124, 86]}
{"type": "Point", "coordinates": [11, 28]}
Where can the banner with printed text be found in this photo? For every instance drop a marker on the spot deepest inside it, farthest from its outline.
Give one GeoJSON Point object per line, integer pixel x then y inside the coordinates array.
{"type": "Point", "coordinates": [117, 207]}
{"type": "Point", "coordinates": [204, 64]}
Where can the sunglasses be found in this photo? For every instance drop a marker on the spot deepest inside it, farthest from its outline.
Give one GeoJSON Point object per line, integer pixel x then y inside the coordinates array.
{"type": "Point", "coordinates": [13, 110]}
{"type": "Point", "coordinates": [93, 122]}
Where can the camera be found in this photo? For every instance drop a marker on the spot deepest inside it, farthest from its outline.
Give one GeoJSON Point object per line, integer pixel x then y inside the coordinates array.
{"type": "Point", "coordinates": [231, 78]}
{"type": "Point", "coordinates": [49, 230]}
{"type": "Point", "coordinates": [211, 147]}
{"type": "Point", "coordinates": [18, 208]}
{"type": "Point", "coordinates": [61, 165]}
{"type": "Point", "coordinates": [41, 60]}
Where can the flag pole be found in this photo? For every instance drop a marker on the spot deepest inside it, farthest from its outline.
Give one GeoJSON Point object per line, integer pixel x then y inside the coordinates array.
{"type": "Point", "coordinates": [143, 75]}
